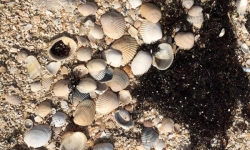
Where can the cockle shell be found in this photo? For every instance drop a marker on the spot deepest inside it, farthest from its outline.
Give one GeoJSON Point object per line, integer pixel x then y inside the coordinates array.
{"type": "Point", "coordinates": [78, 96]}
{"type": "Point", "coordinates": [101, 88]}
{"type": "Point", "coordinates": [123, 119]}
{"type": "Point", "coordinates": [187, 3]}
{"type": "Point", "coordinates": [141, 63]}
{"type": "Point", "coordinates": [150, 32]}
{"type": "Point", "coordinates": [195, 16]}
{"type": "Point", "coordinates": [85, 113]}
{"type": "Point", "coordinates": [89, 8]}
{"type": "Point", "coordinates": [119, 81]}
{"type": "Point", "coordinates": [107, 102]}
{"type": "Point", "coordinates": [59, 119]}
{"type": "Point", "coordinates": [61, 88]}
{"type": "Point", "coordinates": [74, 141]}
{"type": "Point", "coordinates": [125, 96]}
{"type": "Point", "coordinates": [80, 71]}
{"type": "Point", "coordinates": [113, 24]}
{"type": "Point", "coordinates": [167, 125]}
{"type": "Point", "coordinates": [103, 146]}
{"type": "Point", "coordinates": [135, 3]}
{"type": "Point", "coordinates": [86, 85]}
{"type": "Point", "coordinates": [84, 53]}
{"type": "Point", "coordinates": [185, 40]}
{"type": "Point", "coordinates": [151, 12]}
{"type": "Point", "coordinates": [149, 137]}
{"type": "Point", "coordinates": [96, 32]}
{"type": "Point", "coordinates": [113, 57]}
{"type": "Point", "coordinates": [53, 67]}
{"type": "Point", "coordinates": [97, 69]}
{"type": "Point", "coordinates": [44, 108]}
{"type": "Point", "coordinates": [33, 66]}
{"type": "Point", "coordinates": [241, 6]}
{"type": "Point", "coordinates": [13, 99]}
{"type": "Point", "coordinates": [37, 136]}
{"type": "Point", "coordinates": [47, 81]}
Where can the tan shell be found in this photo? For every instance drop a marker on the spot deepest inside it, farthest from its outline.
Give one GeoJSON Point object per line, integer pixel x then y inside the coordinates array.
{"type": "Point", "coordinates": [187, 3]}
{"type": "Point", "coordinates": [80, 71]}
{"type": "Point", "coordinates": [128, 70]}
{"type": "Point", "coordinates": [59, 119]}
{"type": "Point", "coordinates": [47, 81]}
{"type": "Point", "coordinates": [13, 99]}
{"type": "Point", "coordinates": [185, 40]}
{"type": "Point", "coordinates": [44, 108]}
{"type": "Point", "coordinates": [135, 3]}
{"type": "Point", "coordinates": [97, 69]}
{"type": "Point", "coordinates": [151, 12]}
{"type": "Point", "coordinates": [167, 125]}
{"type": "Point", "coordinates": [61, 88]}
{"type": "Point", "coordinates": [123, 119]}
{"type": "Point", "coordinates": [33, 67]}
{"type": "Point", "coordinates": [128, 46]}
{"type": "Point", "coordinates": [113, 57]}
{"type": "Point", "coordinates": [125, 96]}
{"type": "Point", "coordinates": [53, 67]}
{"type": "Point", "coordinates": [103, 146]}
{"type": "Point", "coordinates": [119, 81]}
{"type": "Point", "coordinates": [89, 8]}
{"type": "Point", "coordinates": [195, 16]}
{"type": "Point", "coordinates": [150, 32]}
{"type": "Point", "coordinates": [96, 32]}
{"type": "Point", "coordinates": [141, 63]}
{"type": "Point", "coordinates": [73, 141]}
{"type": "Point", "coordinates": [84, 53]}
{"type": "Point", "coordinates": [85, 113]}
{"type": "Point", "coordinates": [86, 85]}
{"type": "Point", "coordinates": [107, 102]}
{"type": "Point", "coordinates": [113, 24]}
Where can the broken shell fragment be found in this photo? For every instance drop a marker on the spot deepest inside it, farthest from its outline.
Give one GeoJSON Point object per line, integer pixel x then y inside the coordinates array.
{"type": "Point", "coordinates": [113, 57]}
{"type": "Point", "coordinates": [35, 86]}
{"type": "Point", "coordinates": [84, 53]}
{"type": "Point", "coordinates": [151, 12]}
{"type": "Point", "coordinates": [86, 85]}
{"type": "Point", "coordinates": [107, 102]}
{"type": "Point", "coordinates": [78, 96]}
{"type": "Point", "coordinates": [13, 99]}
{"type": "Point", "coordinates": [59, 119]}
{"type": "Point", "coordinates": [73, 141]}
{"type": "Point", "coordinates": [103, 146]}
{"type": "Point", "coordinates": [61, 88]}
{"type": "Point", "coordinates": [44, 108]}
{"type": "Point", "coordinates": [33, 66]}
{"type": "Point", "coordinates": [135, 3]}
{"type": "Point", "coordinates": [149, 137]}
{"type": "Point", "coordinates": [195, 16]}
{"type": "Point", "coordinates": [167, 125]}
{"type": "Point", "coordinates": [89, 8]}
{"type": "Point", "coordinates": [96, 32]}
{"type": "Point", "coordinates": [119, 81]}
{"type": "Point", "coordinates": [241, 6]}
{"type": "Point", "coordinates": [123, 119]}
{"type": "Point", "coordinates": [125, 96]}
{"type": "Point", "coordinates": [141, 63]}
{"type": "Point", "coordinates": [163, 59]}
{"type": "Point", "coordinates": [187, 3]}
{"type": "Point", "coordinates": [150, 32]}
{"type": "Point", "coordinates": [53, 67]}
{"type": "Point", "coordinates": [185, 40]}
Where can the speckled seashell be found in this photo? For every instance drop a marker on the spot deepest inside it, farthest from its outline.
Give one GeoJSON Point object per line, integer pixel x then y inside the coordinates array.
{"type": "Point", "coordinates": [127, 46]}
{"type": "Point", "coordinates": [96, 32]}
{"type": "Point", "coordinates": [61, 88]}
{"type": "Point", "coordinates": [135, 3]}
{"type": "Point", "coordinates": [163, 59]}
{"type": "Point", "coordinates": [74, 141]}
{"type": "Point", "coordinates": [101, 88]}
{"type": "Point", "coordinates": [59, 119]}
{"type": "Point", "coordinates": [119, 81]}
{"type": "Point", "coordinates": [125, 96]}
{"type": "Point", "coordinates": [86, 85]}
{"type": "Point", "coordinates": [123, 119]}
{"type": "Point", "coordinates": [151, 12]}
{"type": "Point", "coordinates": [149, 137]}
{"type": "Point", "coordinates": [44, 108]}
{"type": "Point", "coordinates": [37, 136]}
{"type": "Point", "coordinates": [84, 53]}
{"type": "Point", "coordinates": [150, 32]}
{"type": "Point", "coordinates": [141, 63]}
{"type": "Point", "coordinates": [241, 6]}
{"type": "Point", "coordinates": [113, 24]}
{"type": "Point", "coordinates": [107, 102]}
{"type": "Point", "coordinates": [33, 66]}
{"type": "Point", "coordinates": [195, 16]}
{"type": "Point", "coordinates": [187, 3]}
{"type": "Point", "coordinates": [167, 125]}
{"type": "Point", "coordinates": [89, 8]}
{"type": "Point", "coordinates": [112, 57]}
{"type": "Point", "coordinates": [47, 81]}
{"type": "Point", "coordinates": [13, 99]}
{"type": "Point", "coordinates": [103, 146]}
{"type": "Point", "coordinates": [80, 70]}
{"type": "Point", "coordinates": [53, 67]}
{"type": "Point", "coordinates": [97, 69]}
{"type": "Point", "coordinates": [85, 113]}
{"type": "Point", "coordinates": [185, 40]}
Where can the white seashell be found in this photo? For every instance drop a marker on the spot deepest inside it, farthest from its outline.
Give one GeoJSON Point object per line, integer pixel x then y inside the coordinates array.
{"type": "Point", "coordinates": [35, 86]}
{"type": "Point", "coordinates": [74, 141]}
{"type": "Point", "coordinates": [84, 53]}
{"type": "Point", "coordinates": [47, 81]}
{"type": "Point", "coordinates": [96, 32]}
{"type": "Point", "coordinates": [103, 146]}
{"type": "Point", "coordinates": [195, 16]}
{"type": "Point", "coordinates": [244, 48]}
{"type": "Point", "coordinates": [149, 137]}
{"type": "Point", "coordinates": [61, 88]}
{"type": "Point", "coordinates": [89, 8]}
{"type": "Point", "coordinates": [28, 123]}
{"type": "Point", "coordinates": [53, 67]}
{"type": "Point", "coordinates": [159, 145]}
{"type": "Point", "coordinates": [86, 85]}
{"type": "Point", "coordinates": [125, 96]}
{"type": "Point", "coordinates": [135, 3]}
{"type": "Point", "coordinates": [113, 24]}
{"type": "Point", "coordinates": [123, 119]}
{"type": "Point", "coordinates": [245, 69]}
{"type": "Point", "coordinates": [43, 109]}
{"type": "Point", "coordinates": [119, 81]}
{"type": "Point", "coordinates": [241, 6]}
{"type": "Point", "coordinates": [107, 102]}
{"type": "Point", "coordinates": [78, 96]}
{"type": "Point", "coordinates": [187, 3]}
{"type": "Point", "coordinates": [222, 32]}
{"type": "Point", "coordinates": [163, 59]}
{"type": "Point", "coordinates": [167, 125]}
{"type": "Point", "coordinates": [97, 69]}
{"type": "Point", "coordinates": [151, 12]}
{"type": "Point", "coordinates": [80, 71]}
{"type": "Point", "coordinates": [185, 40]}
{"type": "Point", "coordinates": [113, 57]}
{"type": "Point", "coordinates": [33, 66]}
{"type": "Point", "coordinates": [150, 32]}
{"type": "Point", "coordinates": [13, 99]}
{"type": "Point", "coordinates": [21, 56]}
{"type": "Point", "coordinates": [101, 88]}
{"type": "Point", "coordinates": [141, 63]}
{"type": "Point", "coordinates": [59, 119]}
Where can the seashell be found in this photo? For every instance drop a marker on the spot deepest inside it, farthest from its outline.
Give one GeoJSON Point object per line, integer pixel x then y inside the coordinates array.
{"type": "Point", "coordinates": [177, 128]}
{"type": "Point", "coordinates": [128, 70]}
{"type": "Point", "coordinates": [62, 48]}
{"type": "Point", "coordinates": [241, 6]}
{"type": "Point", "coordinates": [21, 56]}
{"type": "Point", "coordinates": [151, 12]}
{"type": "Point", "coordinates": [113, 24]}
{"type": "Point", "coordinates": [141, 63]}
{"type": "Point", "coordinates": [195, 16]}
{"type": "Point", "coordinates": [96, 32]}
{"type": "Point", "coordinates": [187, 3]}
{"type": "Point", "coordinates": [84, 53]}
{"type": "Point", "coordinates": [149, 137]}
{"type": "Point", "coordinates": [167, 125]}
{"type": "Point", "coordinates": [28, 123]}
{"type": "Point", "coordinates": [80, 71]}
{"type": "Point", "coordinates": [127, 46]}
{"type": "Point", "coordinates": [33, 66]}
{"type": "Point", "coordinates": [159, 145]}
{"type": "Point", "coordinates": [185, 40]}
{"type": "Point", "coordinates": [78, 96]}
{"type": "Point", "coordinates": [86, 85]}
{"type": "Point", "coordinates": [103, 146]}
{"type": "Point", "coordinates": [222, 32]}
{"type": "Point", "coordinates": [123, 119]}
{"type": "Point", "coordinates": [61, 88]}
{"type": "Point", "coordinates": [13, 99]}
{"type": "Point", "coordinates": [35, 86]}
{"type": "Point", "coordinates": [119, 81]}
{"type": "Point", "coordinates": [244, 48]}
{"type": "Point", "coordinates": [89, 8]}
{"type": "Point", "coordinates": [246, 69]}
{"type": "Point", "coordinates": [113, 57]}
{"type": "Point", "coordinates": [150, 32]}
{"type": "Point", "coordinates": [125, 96]}
{"type": "Point", "coordinates": [101, 88]}
{"type": "Point", "coordinates": [53, 67]}
{"type": "Point", "coordinates": [59, 119]}
{"type": "Point", "coordinates": [135, 3]}
{"type": "Point", "coordinates": [47, 81]}
{"type": "Point", "coordinates": [85, 113]}
{"type": "Point", "coordinates": [107, 102]}
{"type": "Point", "coordinates": [44, 108]}
{"type": "Point", "coordinates": [163, 59]}
{"type": "Point", "coordinates": [74, 141]}
{"type": "Point", "coordinates": [37, 136]}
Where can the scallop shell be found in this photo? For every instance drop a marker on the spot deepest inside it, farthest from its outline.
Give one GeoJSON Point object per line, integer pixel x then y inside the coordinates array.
{"type": "Point", "coordinates": [119, 81]}
{"type": "Point", "coordinates": [127, 46]}
{"type": "Point", "coordinates": [123, 119]}
{"type": "Point", "coordinates": [125, 96]}
{"type": "Point", "coordinates": [96, 32]}
{"type": "Point", "coordinates": [47, 81]}
{"type": "Point", "coordinates": [33, 66]}
{"type": "Point", "coordinates": [107, 102]}
{"type": "Point", "coordinates": [241, 6]}
{"type": "Point", "coordinates": [141, 63]}
{"type": "Point", "coordinates": [163, 59]}
{"type": "Point", "coordinates": [13, 99]}
{"type": "Point", "coordinates": [59, 119]}
{"type": "Point", "coordinates": [187, 3]}
{"type": "Point", "coordinates": [28, 123]}
{"type": "Point", "coordinates": [80, 71]}
{"type": "Point", "coordinates": [185, 40]}
{"type": "Point", "coordinates": [195, 16]}
{"type": "Point", "coordinates": [101, 88]}
{"type": "Point", "coordinates": [74, 141]}
{"type": "Point", "coordinates": [89, 8]}
{"type": "Point", "coordinates": [61, 88]}
{"type": "Point", "coordinates": [135, 3]}
{"type": "Point", "coordinates": [151, 12]}
{"type": "Point", "coordinates": [53, 67]}
{"type": "Point", "coordinates": [150, 32]}
{"type": "Point", "coordinates": [113, 24]}
{"type": "Point", "coordinates": [85, 113]}
{"type": "Point", "coordinates": [86, 85]}
{"type": "Point", "coordinates": [167, 125]}
{"type": "Point", "coordinates": [149, 137]}
{"type": "Point", "coordinates": [103, 146]}
{"type": "Point", "coordinates": [84, 53]}
{"type": "Point", "coordinates": [113, 57]}
{"type": "Point", "coordinates": [44, 108]}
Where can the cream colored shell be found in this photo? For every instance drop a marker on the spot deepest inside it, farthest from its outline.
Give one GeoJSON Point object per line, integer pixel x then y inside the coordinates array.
{"type": "Point", "coordinates": [74, 141]}
{"type": "Point", "coordinates": [80, 70]}
{"type": "Point", "coordinates": [33, 67]}
{"type": "Point", "coordinates": [89, 8]}
{"type": "Point", "coordinates": [47, 81]}
{"type": "Point", "coordinates": [86, 85]}
{"type": "Point", "coordinates": [151, 12]}
{"type": "Point", "coordinates": [96, 32]}
{"type": "Point", "coordinates": [61, 88]}
{"type": "Point", "coordinates": [195, 16]}
{"type": "Point", "coordinates": [241, 6]}
{"type": "Point", "coordinates": [125, 96]}
{"type": "Point", "coordinates": [84, 53]}
{"type": "Point", "coordinates": [113, 57]}
{"type": "Point", "coordinates": [150, 32]}
{"type": "Point", "coordinates": [119, 81]}
{"type": "Point", "coordinates": [97, 68]}
{"type": "Point", "coordinates": [44, 108]}
{"type": "Point", "coordinates": [107, 102]}
{"type": "Point", "coordinates": [53, 67]}
{"type": "Point", "coordinates": [13, 99]}
{"type": "Point", "coordinates": [185, 40]}
{"type": "Point", "coordinates": [141, 63]}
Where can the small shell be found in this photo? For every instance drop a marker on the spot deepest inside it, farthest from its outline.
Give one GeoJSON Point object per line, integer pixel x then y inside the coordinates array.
{"type": "Point", "coordinates": [150, 32]}
{"type": "Point", "coordinates": [119, 81]}
{"type": "Point", "coordinates": [113, 24]}
{"type": "Point", "coordinates": [35, 86]}
{"type": "Point", "coordinates": [141, 63]}
{"type": "Point", "coordinates": [59, 119]}
{"type": "Point", "coordinates": [14, 99]}
{"type": "Point", "coordinates": [97, 69]}
{"type": "Point", "coordinates": [128, 70]}
{"type": "Point", "coordinates": [85, 113]}
{"type": "Point", "coordinates": [195, 16]}
{"type": "Point", "coordinates": [101, 88]}
{"type": "Point", "coordinates": [167, 125]}
{"type": "Point", "coordinates": [123, 119]}
{"type": "Point", "coordinates": [96, 32]}
{"type": "Point", "coordinates": [151, 12]}
{"type": "Point", "coordinates": [33, 66]}
{"type": "Point", "coordinates": [61, 88]}
{"type": "Point", "coordinates": [53, 67]}
{"type": "Point", "coordinates": [149, 137]}
{"type": "Point", "coordinates": [84, 53]}
{"type": "Point", "coordinates": [135, 3]}
{"type": "Point", "coordinates": [80, 71]}
{"type": "Point", "coordinates": [125, 96]}
{"type": "Point", "coordinates": [244, 48]}
{"type": "Point", "coordinates": [222, 32]}
{"type": "Point", "coordinates": [103, 146]}
{"type": "Point", "coordinates": [74, 141]}
{"type": "Point", "coordinates": [107, 102]}
{"type": "Point", "coordinates": [241, 6]}
{"type": "Point", "coordinates": [187, 3]}
{"type": "Point", "coordinates": [89, 8]}
{"type": "Point", "coordinates": [86, 85]}
{"type": "Point", "coordinates": [185, 40]}
{"type": "Point", "coordinates": [113, 57]}
{"type": "Point", "coordinates": [44, 109]}
{"type": "Point", "coordinates": [47, 81]}
{"type": "Point", "coordinates": [28, 123]}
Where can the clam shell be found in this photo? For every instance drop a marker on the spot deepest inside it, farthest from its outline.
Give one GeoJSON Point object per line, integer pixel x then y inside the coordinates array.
{"type": "Point", "coordinates": [150, 32]}
{"type": "Point", "coordinates": [35, 86]}
{"type": "Point", "coordinates": [167, 125]}
{"type": "Point", "coordinates": [151, 12]}
{"type": "Point", "coordinates": [149, 137]}
{"type": "Point", "coordinates": [61, 88]}
{"type": "Point", "coordinates": [141, 63]}
{"type": "Point", "coordinates": [96, 32]}
{"type": "Point", "coordinates": [13, 99]}
{"type": "Point", "coordinates": [159, 145]}
{"type": "Point", "coordinates": [43, 109]}
{"type": "Point", "coordinates": [127, 46]}
{"type": "Point", "coordinates": [185, 40]}
{"type": "Point", "coordinates": [47, 81]}
{"type": "Point", "coordinates": [125, 96]}
{"type": "Point", "coordinates": [113, 24]}
{"type": "Point", "coordinates": [195, 16]}
{"type": "Point", "coordinates": [241, 6]}
{"type": "Point", "coordinates": [86, 85]}
{"type": "Point", "coordinates": [59, 119]}
{"type": "Point", "coordinates": [89, 8]}
{"type": "Point", "coordinates": [119, 81]}
{"type": "Point", "coordinates": [123, 119]}
{"type": "Point", "coordinates": [163, 59]}
{"type": "Point", "coordinates": [101, 88]}
{"type": "Point", "coordinates": [33, 66]}
{"type": "Point", "coordinates": [135, 3]}
{"type": "Point", "coordinates": [80, 71]}
{"type": "Point", "coordinates": [85, 113]}
{"type": "Point", "coordinates": [74, 141]}
{"type": "Point", "coordinates": [53, 67]}
{"type": "Point", "coordinates": [187, 3]}
{"type": "Point", "coordinates": [103, 146]}
{"type": "Point", "coordinates": [107, 102]}
{"type": "Point", "coordinates": [84, 53]}
{"type": "Point", "coordinates": [113, 57]}
{"type": "Point", "coordinates": [128, 70]}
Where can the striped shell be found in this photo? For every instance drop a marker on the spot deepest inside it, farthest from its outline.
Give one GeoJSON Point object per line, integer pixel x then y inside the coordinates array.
{"type": "Point", "coordinates": [61, 88]}
{"type": "Point", "coordinates": [187, 3]}
{"type": "Point", "coordinates": [96, 32]}
{"type": "Point", "coordinates": [107, 102]}
{"type": "Point", "coordinates": [135, 3]}
{"type": "Point", "coordinates": [185, 40]}
{"type": "Point", "coordinates": [125, 96]}
{"type": "Point", "coordinates": [123, 119]}
{"type": "Point", "coordinates": [241, 6]}
{"type": "Point", "coordinates": [151, 12]}
{"type": "Point", "coordinates": [86, 85]}
{"type": "Point", "coordinates": [78, 97]}
{"type": "Point", "coordinates": [141, 63]}
{"type": "Point", "coordinates": [53, 67]}
{"type": "Point", "coordinates": [167, 125]}
{"type": "Point", "coordinates": [150, 32]}
{"type": "Point", "coordinates": [33, 67]}
{"type": "Point", "coordinates": [89, 8]}
{"type": "Point", "coordinates": [149, 137]}
{"type": "Point", "coordinates": [113, 24]}
{"type": "Point", "coordinates": [97, 69]}
{"type": "Point", "coordinates": [127, 46]}
{"type": "Point", "coordinates": [119, 81]}
{"type": "Point", "coordinates": [74, 141]}
{"type": "Point", "coordinates": [85, 113]}
{"type": "Point", "coordinates": [13, 99]}
{"type": "Point", "coordinates": [59, 119]}
{"type": "Point", "coordinates": [113, 57]}
{"type": "Point", "coordinates": [80, 71]}
{"type": "Point", "coordinates": [47, 81]}
{"type": "Point", "coordinates": [44, 108]}
{"type": "Point", "coordinates": [103, 146]}
{"type": "Point", "coordinates": [84, 53]}
{"type": "Point", "coordinates": [195, 16]}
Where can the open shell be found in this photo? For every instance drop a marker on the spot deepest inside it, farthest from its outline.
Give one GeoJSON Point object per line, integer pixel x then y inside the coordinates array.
{"type": "Point", "coordinates": [150, 32]}
{"type": "Point", "coordinates": [107, 102]}
{"type": "Point", "coordinates": [59, 119]}
{"type": "Point", "coordinates": [187, 3]}
{"type": "Point", "coordinates": [53, 67]}
{"type": "Point", "coordinates": [84, 53]}
{"type": "Point", "coordinates": [123, 119]}
{"type": "Point", "coordinates": [61, 88]}
{"type": "Point", "coordinates": [33, 67]}
{"type": "Point", "coordinates": [14, 99]}
{"type": "Point", "coordinates": [149, 137]}
{"type": "Point", "coordinates": [44, 108]}
{"type": "Point", "coordinates": [125, 96]}
{"type": "Point", "coordinates": [151, 12]}
{"type": "Point", "coordinates": [103, 146]}
{"type": "Point", "coordinates": [185, 40]}
{"type": "Point", "coordinates": [113, 57]}
{"type": "Point", "coordinates": [141, 63]}
{"type": "Point", "coordinates": [86, 85]}
{"type": "Point", "coordinates": [135, 3]}
{"type": "Point", "coordinates": [119, 81]}
{"type": "Point", "coordinates": [89, 8]}
{"type": "Point", "coordinates": [166, 126]}
{"type": "Point", "coordinates": [74, 141]}
{"type": "Point", "coordinates": [195, 16]}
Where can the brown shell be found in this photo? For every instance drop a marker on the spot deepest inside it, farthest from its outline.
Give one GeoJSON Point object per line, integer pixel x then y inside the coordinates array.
{"type": "Point", "coordinates": [119, 81]}
{"type": "Point", "coordinates": [107, 102]}
{"type": "Point", "coordinates": [151, 12]}
{"type": "Point", "coordinates": [185, 40]}
{"type": "Point", "coordinates": [44, 108]}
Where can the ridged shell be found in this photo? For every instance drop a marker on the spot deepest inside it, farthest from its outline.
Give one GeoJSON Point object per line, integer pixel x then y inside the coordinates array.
{"type": "Point", "coordinates": [80, 71]}
{"type": "Point", "coordinates": [74, 141]}
{"type": "Point", "coordinates": [85, 113]}
{"type": "Point", "coordinates": [185, 40]}
{"type": "Point", "coordinates": [107, 102]}
{"type": "Point", "coordinates": [44, 108]}
{"type": "Point", "coordinates": [59, 119]}
{"type": "Point", "coordinates": [112, 57]}
{"type": "Point", "coordinates": [119, 81]}
{"type": "Point", "coordinates": [13, 99]}
{"type": "Point", "coordinates": [61, 88]}
{"type": "Point", "coordinates": [135, 3]}
{"type": "Point", "coordinates": [125, 96]}
{"type": "Point", "coordinates": [33, 66]}
{"type": "Point", "coordinates": [151, 12]}
{"type": "Point", "coordinates": [127, 46]}
{"type": "Point", "coordinates": [187, 3]}
{"type": "Point", "coordinates": [53, 67]}
{"type": "Point", "coordinates": [101, 88]}
{"type": "Point", "coordinates": [141, 63]}
{"type": "Point", "coordinates": [89, 8]}
{"type": "Point", "coordinates": [241, 6]}
{"type": "Point", "coordinates": [103, 146]}
{"type": "Point", "coordinates": [96, 32]}
{"type": "Point", "coordinates": [123, 119]}
{"type": "Point", "coordinates": [149, 137]}
{"type": "Point", "coordinates": [84, 53]}
{"type": "Point", "coordinates": [77, 95]}
{"type": "Point", "coordinates": [47, 81]}
{"type": "Point", "coordinates": [150, 32]}
{"type": "Point", "coordinates": [195, 16]}
{"type": "Point", "coordinates": [97, 69]}
{"type": "Point", "coordinates": [167, 125]}
{"type": "Point", "coordinates": [113, 24]}
{"type": "Point", "coordinates": [86, 85]}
